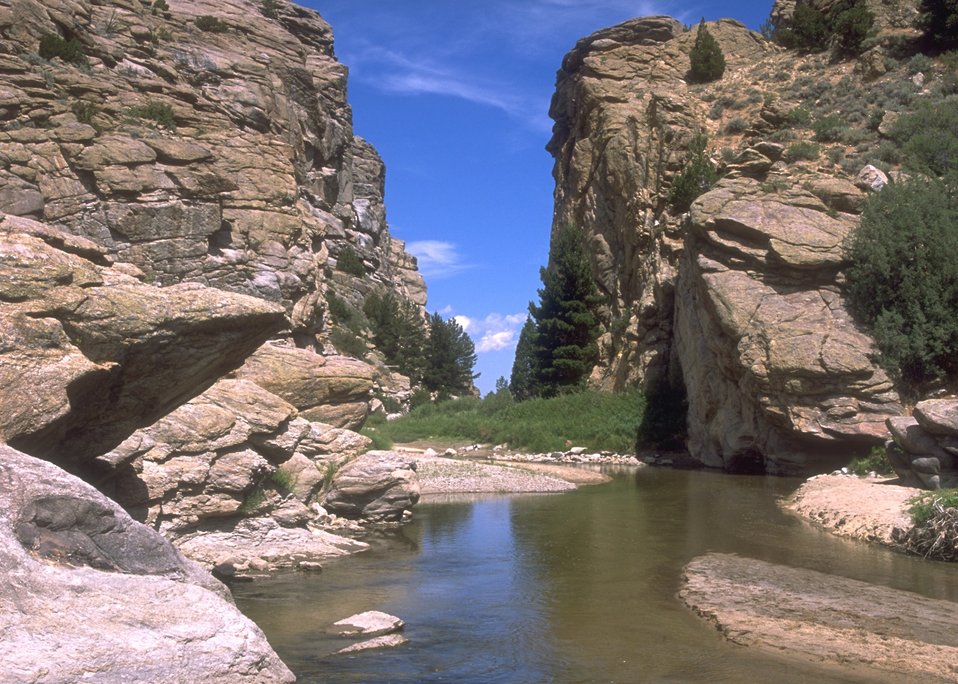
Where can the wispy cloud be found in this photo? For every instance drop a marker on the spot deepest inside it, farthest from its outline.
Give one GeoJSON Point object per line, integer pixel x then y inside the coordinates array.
{"type": "Point", "coordinates": [437, 258]}
{"type": "Point", "coordinates": [496, 332]}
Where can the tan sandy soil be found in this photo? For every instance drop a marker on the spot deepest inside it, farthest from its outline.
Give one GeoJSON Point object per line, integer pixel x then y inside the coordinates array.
{"type": "Point", "coordinates": [867, 509]}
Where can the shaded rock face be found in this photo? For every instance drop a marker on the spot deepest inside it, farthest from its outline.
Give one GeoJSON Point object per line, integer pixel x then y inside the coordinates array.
{"type": "Point", "coordinates": [220, 158]}
{"type": "Point", "coordinates": [89, 353]}
{"type": "Point", "coordinates": [741, 298]}
{"type": "Point", "coordinates": [924, 447]}
{"type": "Point", "coordinates": [73, 561]}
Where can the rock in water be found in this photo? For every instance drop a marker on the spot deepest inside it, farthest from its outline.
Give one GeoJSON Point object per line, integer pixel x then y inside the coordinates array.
{"type": "Point", "coordinates": [372, 623]}
{"type": "Point", "coordinates": [91, 595]}
{"type": "Point", "coordinates": [378, 486]}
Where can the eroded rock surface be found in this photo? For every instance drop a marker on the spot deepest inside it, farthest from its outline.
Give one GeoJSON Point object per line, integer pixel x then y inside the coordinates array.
{"type": "Point", "coordinates": [740, 299]}
{"type": "Point", "coordinates": [90, 594]}
{"type": "Point", "coordinates": [924, 447]}
{"type": "Point", "coordinates": [889, 633]}
{"type": "Point", "coordinates": [379, 486]}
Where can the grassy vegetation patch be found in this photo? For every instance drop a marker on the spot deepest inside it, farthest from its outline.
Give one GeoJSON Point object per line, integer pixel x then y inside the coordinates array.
{"type": "Point", "coordinates": [924, 507]}
{"type": "Point", "coordinates": [594, 420]}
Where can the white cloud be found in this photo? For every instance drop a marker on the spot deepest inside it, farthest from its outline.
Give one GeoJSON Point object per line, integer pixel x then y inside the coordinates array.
{"type": "Point", "coordinates": [496, 341]}
{"type": "Point", "coordinates": [495, 332]}
{"type": "Point", "coordinates": [437, 258]}
{"type": "Point", "coordinates": [464, 322]}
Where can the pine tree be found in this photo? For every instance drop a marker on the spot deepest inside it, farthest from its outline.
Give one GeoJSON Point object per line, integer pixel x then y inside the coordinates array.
{"type": "Point", "coordinates": [707, 63]}
{"type": "Point", "coordinates": [450, 358]}
{"type": "Point", "coordinates": [398, 332]}
{"type": "Point", "coordinates": [522, 382]}
{"type": "Point", "coordinates": [939, 22]}
{"type": "Point", "coordinates": [566, 326]}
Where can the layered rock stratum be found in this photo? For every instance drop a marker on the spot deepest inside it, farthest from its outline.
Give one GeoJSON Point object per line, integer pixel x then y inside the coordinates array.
{"type": "Point", "coordinates": [740, 300]}
{"type": "Point", "coordinates": [184, 209]}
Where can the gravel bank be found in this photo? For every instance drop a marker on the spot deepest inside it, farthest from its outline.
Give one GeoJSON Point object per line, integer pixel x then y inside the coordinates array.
{"type": "Point", "coordinates": [438, 475]}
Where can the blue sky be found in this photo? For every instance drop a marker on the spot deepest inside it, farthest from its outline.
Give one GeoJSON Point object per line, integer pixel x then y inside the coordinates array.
{"type": "Point", "coordinates": [455, 96]}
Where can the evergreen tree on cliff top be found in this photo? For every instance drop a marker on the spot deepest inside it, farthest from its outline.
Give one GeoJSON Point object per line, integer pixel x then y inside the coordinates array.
{"type": "Point", "coordinates": [566, 326]}
{"type": "Point", "coordinates": [707, 63]}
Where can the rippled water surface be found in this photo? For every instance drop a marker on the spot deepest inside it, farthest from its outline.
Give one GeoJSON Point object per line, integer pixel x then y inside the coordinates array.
{"type": "Point", "coordinates": [575, 587]}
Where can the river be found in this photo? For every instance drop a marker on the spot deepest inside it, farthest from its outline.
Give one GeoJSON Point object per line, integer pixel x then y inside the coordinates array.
{"type": "Point", "coordinates": [575, 587]}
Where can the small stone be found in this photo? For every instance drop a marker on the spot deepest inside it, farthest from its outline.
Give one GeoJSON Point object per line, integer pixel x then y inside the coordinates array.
{"type": "Point", "coordinates": [372, 623]}
{"type": "Point", "coordinates": [389, 641]}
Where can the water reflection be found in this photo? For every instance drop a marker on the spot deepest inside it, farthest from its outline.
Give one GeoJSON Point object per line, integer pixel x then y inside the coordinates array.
{"type": "Point", "coordinates": [577, 587]}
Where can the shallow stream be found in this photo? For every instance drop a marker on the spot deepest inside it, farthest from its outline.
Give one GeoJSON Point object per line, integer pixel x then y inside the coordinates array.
{"type": "Point", "coordinates": [576, 587]}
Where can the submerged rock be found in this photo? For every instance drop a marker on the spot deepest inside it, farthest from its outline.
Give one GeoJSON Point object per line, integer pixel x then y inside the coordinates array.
{"type": "Point", "coordinates": [89, 594]}
{"type": "Point", "coordinates": [372, 623]}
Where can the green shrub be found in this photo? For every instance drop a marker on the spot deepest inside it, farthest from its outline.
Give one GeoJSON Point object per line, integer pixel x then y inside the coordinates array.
{"type": "Point", "coordinates": [921, 508]}
{"type": "Point", "coordinates": [798, 117]}
{"type": "Point", "coordinates": [735, 126]}
{"type": "Point", "coordinates": [381, 442]}
{"type": "Point", "coordinates": [696, 177]}
{"type": "Point", "coordinates": [835, 154]}
{"type": "Point", "coordinates": [852, 23]}
{"type": "Point", "coordinates": [348, 343]}
{"type": "Point", "coordinates": [53, 46]}
{"type": "Point", "coordinates": [706, 61]}
{"type": "Point", "coordinates": [903, 280]}
{"type": "Point", "coordinates": [348, 261]}
{"type": "Point", "coordinates": [829, 128]}
{"type": "Point", "coordinates": [808, 30]}
{"type": "Point", "coordinates": [160, 7]}
{"type": "Point", "coordinates": [160, 112]}
{"type": "Point", "coordinates": [802, 150]}
{"type": "Point", "coordinates": [876, 462]}
{"type": "Point", "coordinates": [283, 479]}
{"type": "Point", "coordinates": [920, 63]}
{"type": "Point", "coordinates": [254, 498]}
{"type": "Point", "coordinates": [84, 111]}
{"type": "Point", "coordinates": [269, 9]}
{"type": "Point", "coordinates": [211, 24]}
{"type": "Point", "coordinates": [928, 137]}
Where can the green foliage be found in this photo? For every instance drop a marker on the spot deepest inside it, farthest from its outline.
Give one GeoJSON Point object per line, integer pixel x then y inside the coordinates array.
{"type": "Point", "coordinates": [380, 440]}
{"type": "Point", "coordinates": [84, 111]}
{"type": "Point", "coordinates": [450, 358]}
{"type": "Point", "coordinates": [848, 22]}
{"type": "Point", "coordinates": [254, 498]}
{"type": "Point", "coordinates": [398, 332]}
{"type": "Point", "coordinates": [329, 472]}
{"type": "Point", "coordinates": [160, 7]}
{"type": "Point", "coordinates": [283, 479]}
{"type": "Point", "coordinates": [735, 125]}
{"type": "Point", "coordinates": [852, 22]}
{"type": "Point", "coordinates": [903, 281]}
{"type": "Point", "coordinates": [160, 112]}
{"type": "Point", "coordinates": [53, 45]}
{"type": "Point", "coordinates": [921, 508]}
{"type": "Point", "coordinates": [269, 9]}
{"type": "Point", "coordinates": [211, 24]}
{"type": "Point", "coordinates": [802, 150]}
{"type": "Point", "coordinates": [565, 321]}
{"type": "Point", "coordinates": [829, 128]}
{"type": "Point", "coordinates": [348, 343]}
{"type": "Point", "coordinates": [928, 137]}
{"type": "Point", "coordinates": [348, 261]}
{"type": "Point", "coordinates": [522, 382]}
{"type": "Point", "coordinates": [706, 61]}
{"type": "Point", "coordinates": [876, 461]}
{"type": "Point", "coordinates": [696, 177]}
{"type": "Point", "coordinates": [591, 419]}
{"type": "Point", "coordinates": [798, 117]}
{"type": "Point", "coordinates": [938, 20]}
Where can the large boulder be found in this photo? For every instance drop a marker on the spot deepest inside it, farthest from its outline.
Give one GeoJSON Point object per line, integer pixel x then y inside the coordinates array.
{"type": "Point", "coordinates": [100, 353]}
{"type": "Point", "coordinates": [778, 375]}
{"type": "Point", "coordinates": [89, 594]}
{"type": "Point", "coordinates": [924, 447]}
{"type": "Point", "coordinates": [380, 486]}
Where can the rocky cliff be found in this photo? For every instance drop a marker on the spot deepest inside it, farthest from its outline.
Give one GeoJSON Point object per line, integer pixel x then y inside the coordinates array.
{"type": "Point", "coordinates": [183, 205]}
{"type": "Point", "coordinates": [740, 298]}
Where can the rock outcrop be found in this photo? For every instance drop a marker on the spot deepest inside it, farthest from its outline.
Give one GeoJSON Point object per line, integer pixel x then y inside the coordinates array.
{"type": "Point", "coordinates": [741, 299]}
{"type": "Point", "coordinates": [924, 446]}
{"type": "Point", "coordinates": [90, 594]}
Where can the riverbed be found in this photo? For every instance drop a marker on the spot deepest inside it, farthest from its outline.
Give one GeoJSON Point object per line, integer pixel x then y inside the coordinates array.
{"type": "Point", "coordinates": [572, 587]}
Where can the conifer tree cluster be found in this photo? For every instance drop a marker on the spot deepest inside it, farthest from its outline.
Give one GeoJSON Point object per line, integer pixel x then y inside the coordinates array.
{"type": "Point", "coordinates": [707, 63]}
{"type": "Point", "coordinates": [557, 347]}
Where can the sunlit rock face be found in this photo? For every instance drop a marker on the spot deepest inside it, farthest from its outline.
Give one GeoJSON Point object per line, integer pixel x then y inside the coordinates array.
{"type": "Point", "coordinates": [739, 299]}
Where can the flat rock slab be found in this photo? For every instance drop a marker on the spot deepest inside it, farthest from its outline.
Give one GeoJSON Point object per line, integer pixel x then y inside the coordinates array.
{"type": "Point", "coordinates": [822, 617]}
{"type": "Point", "coordinates": [853, 507]}
{"type": "Point", "coordinates": [388, 641]}
{"type": "Point", "coordinates": [372, 623]}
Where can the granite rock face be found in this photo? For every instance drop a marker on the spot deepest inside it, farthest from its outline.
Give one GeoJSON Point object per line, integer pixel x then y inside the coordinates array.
{"type": "Point", "coordinates": [73, 562]}
{"type": "Point", "coordinates": [740, 299]}
{"type": "Point", "coordinates": [380, 486]}
{"type": "Point", "coordinates": [90, 353]}
{"type": "Point", "coordinates": [223, 158]}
